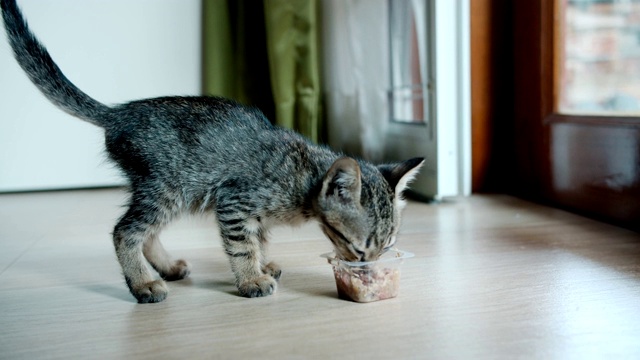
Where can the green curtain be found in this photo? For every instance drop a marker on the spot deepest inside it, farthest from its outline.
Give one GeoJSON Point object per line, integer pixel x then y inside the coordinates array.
{"type": "Point", "coordinates": [266, 53]}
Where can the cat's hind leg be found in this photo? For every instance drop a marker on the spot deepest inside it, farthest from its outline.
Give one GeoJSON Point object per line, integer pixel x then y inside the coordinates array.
{"type": "Point", "coordinates": [161, 261]}
{"type": "Point", "coordinates": [139, 224]}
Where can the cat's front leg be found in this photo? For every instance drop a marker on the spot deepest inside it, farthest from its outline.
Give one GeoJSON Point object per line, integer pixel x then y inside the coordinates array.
{"type": "Point", "coordinates": [243, 242]}
{"type": "Point", "coordinates": [158, 257]}
{"type": "Point", "coordinates": [246, 264]}
{"type": "Point", "coordinates": [272, 269]}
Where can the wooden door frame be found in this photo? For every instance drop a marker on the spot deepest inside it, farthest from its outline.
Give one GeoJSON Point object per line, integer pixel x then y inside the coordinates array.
{"type": "Point", "coordinates": [492, 62]}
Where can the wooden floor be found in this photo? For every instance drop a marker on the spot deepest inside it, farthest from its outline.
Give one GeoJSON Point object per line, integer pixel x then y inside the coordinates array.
{"type": "Point", "coordinates": [493, 277]}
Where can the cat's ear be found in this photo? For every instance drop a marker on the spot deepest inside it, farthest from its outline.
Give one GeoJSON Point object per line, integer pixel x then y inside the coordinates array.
{"type": "Point", "coordinates": [342, 181]}
{"type": "Point", "coordinates": [400, 175]}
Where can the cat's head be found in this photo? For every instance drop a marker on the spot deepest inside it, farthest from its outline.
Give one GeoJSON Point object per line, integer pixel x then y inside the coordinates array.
{"type": "Point", "coordinates": [359, 206]}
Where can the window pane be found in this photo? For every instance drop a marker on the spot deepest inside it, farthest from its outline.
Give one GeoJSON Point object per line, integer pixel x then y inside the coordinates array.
{"type": "Point", "coordinates": [601, 69]}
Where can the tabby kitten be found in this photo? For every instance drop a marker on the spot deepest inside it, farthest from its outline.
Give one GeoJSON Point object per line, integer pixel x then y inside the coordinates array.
{"type": "Point", "coordinates": [208, 154]}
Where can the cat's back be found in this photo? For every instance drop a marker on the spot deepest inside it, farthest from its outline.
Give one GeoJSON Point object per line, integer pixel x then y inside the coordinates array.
{"type": "Point", "coordinates": [180, 122]}
{"type": "Point", "coordinates": [190, 112]}
{"type": "Point", "coordinates": [171, 131]}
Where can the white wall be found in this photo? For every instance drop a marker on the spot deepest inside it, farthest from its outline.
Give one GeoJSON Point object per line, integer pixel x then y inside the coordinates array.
{"type": "Point", "coordinates": [115, 51]}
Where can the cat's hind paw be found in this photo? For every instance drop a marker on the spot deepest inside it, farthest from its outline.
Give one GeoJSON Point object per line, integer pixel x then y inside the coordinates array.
{"type": "Point", "coordinates": [151, 292]}
{"type": "Point", "coordinates": [180, 270]}
{"type": "Point", "coordinates": [261, 286]}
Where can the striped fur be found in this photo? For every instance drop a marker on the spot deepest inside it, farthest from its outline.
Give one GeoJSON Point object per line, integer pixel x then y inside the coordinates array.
{"type": "Point", "coordinates": [208, 154]}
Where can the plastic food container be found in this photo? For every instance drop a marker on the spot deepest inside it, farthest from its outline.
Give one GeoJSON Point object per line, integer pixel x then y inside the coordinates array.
{"type": "Point", "coordinates": [371, 280]}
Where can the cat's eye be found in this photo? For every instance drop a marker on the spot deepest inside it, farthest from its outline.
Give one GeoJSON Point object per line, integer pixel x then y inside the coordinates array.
{"type": "Point", "coordinates": [336, 233]}
{"type": "Point", "coordinates": [391, 243]}
{"type": "Point", "coordinates": [368, 243]}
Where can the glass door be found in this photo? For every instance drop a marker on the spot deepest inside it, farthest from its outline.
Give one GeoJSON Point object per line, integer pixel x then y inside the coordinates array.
{"type": "Point", "coordinates": [429, 93]}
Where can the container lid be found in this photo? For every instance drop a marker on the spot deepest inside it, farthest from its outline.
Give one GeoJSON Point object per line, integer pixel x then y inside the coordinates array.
{"type": "Point", "coordinates": [390, 256]}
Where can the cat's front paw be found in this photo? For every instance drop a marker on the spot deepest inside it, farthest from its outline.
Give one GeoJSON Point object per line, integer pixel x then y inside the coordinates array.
{"type": "Point", "coordinates": [180, 270]}
{"type": "Point", "coordinates": [273, 269]}
{"type": "Point", "coordinates": [258, 287]}
{"type": "Point", "coordinates": [151, 292]}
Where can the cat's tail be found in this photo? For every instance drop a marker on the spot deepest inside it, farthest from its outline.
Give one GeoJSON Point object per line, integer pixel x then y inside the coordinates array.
{"type": "Point", "coordinates": [44, 73]}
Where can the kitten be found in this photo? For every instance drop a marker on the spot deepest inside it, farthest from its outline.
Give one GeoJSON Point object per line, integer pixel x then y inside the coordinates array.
{"type": "Point", "coordinates": [209, 154]}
